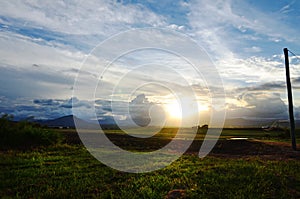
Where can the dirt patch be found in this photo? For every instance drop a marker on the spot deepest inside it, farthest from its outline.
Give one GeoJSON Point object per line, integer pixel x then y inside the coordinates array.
{"type": "Point", "coordinates": [71, 137]}
{"type": "Point", "coordinates": [246, 148]}
{"type": "Point", "coordinates": [223, 148]}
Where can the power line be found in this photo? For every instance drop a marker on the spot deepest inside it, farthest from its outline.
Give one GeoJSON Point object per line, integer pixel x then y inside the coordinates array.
{"type": "Point", "coordinates": [298, 57]}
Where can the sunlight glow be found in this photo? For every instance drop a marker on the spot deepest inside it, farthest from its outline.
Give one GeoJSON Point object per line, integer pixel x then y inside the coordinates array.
{"type": "Point", "coordinates": [174, 110]}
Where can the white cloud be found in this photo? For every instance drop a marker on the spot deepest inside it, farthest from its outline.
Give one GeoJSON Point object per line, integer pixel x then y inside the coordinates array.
{"type": "Point", "coordinates": [217, 25]}
{"type": "Point", "coordinates": [253, 49]}
{"type": "Point", "coordinates": [23, 52]}
{"type": "Point", "coordinates": [252, 70]}
{"type": "Point", "coordinates": [80, 17]}
{"type": "Point", "coordinates": [176, 27]}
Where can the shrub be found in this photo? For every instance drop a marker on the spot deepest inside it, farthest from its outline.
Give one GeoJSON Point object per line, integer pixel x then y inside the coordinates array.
{"type": "Point", "coordinates": [25, 134]}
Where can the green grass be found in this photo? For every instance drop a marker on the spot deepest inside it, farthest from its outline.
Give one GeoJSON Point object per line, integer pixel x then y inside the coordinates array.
{"type": "Point", "coordinates": [65, 171]}
{"type": "Point", "coordinates": [53, 170]}
{"type": "Point", "coordinates": [24, 135]}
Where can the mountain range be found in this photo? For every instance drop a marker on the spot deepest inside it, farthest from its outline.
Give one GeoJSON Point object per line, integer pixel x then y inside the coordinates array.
{"type": "Point", "coordinates": [70, 120]}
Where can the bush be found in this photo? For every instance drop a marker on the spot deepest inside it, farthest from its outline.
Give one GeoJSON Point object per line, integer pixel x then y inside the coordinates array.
{"type": "Point", "coordinates": [25, 134]}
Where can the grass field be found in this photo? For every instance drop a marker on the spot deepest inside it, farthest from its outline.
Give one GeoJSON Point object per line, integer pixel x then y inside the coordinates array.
{"type": "Point", "coordinates": [69, 171]}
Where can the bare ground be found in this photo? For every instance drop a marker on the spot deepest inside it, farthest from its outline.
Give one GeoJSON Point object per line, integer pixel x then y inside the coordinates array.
{"type": "Point", "coordinates": [270, 150]}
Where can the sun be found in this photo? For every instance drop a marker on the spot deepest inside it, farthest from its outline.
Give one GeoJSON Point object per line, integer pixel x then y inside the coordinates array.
{"type": "Point", "coordinates": [174, 110]}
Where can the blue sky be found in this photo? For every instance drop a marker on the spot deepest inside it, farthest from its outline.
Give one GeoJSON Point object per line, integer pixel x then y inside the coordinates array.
{"type": "Point", "coordinates": [43, 45]}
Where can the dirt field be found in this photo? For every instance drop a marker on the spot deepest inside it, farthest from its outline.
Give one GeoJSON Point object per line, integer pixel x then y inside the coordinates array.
{"type": "Point", "coordinates": [245, 148]}
{"type": "Point", "coordinates": [266, 149]}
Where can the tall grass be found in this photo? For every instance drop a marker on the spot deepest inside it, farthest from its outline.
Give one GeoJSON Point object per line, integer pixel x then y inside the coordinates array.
{"type": "Point", "coordinates": [66, 171]}
{"type": "Point", "coordinates": [25, 134]}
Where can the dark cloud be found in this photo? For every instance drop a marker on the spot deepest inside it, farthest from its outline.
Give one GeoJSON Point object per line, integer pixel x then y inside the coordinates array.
{"type": "Point", "coordinates": [46, 102]}
{"type": "Point", "coordinates": [140, 99]}
{"type": "Point", "coordinates": [296, 83]}
{"type": "Point", "coordinates": [75, 71]}
{"type": "Point", "coordinates": [265, 105]}
{"type": "Point", "coordinates": [269, 86]}
{"type": "Point", "coordinates": [297, 112]}
{"type": "Point", "coordinates": [296, 80]}
{"type": "Point", "coordinates": [258, 104]}
{"type": "Point", "coordinates": [41, 108]}
{"type": "Point", "coordinates": [143, 112]}
{"type": "Point", "coordinates": [16, 82]}
{"type": "Point", "coordinates": [74, 102]}
{"type": "Point", "coordinates": [139, 110]}
{"type": "Point", "coordinates": [35, 65]}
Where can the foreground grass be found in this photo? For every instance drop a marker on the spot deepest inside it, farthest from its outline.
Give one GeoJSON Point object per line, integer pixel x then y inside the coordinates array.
{"type": "Point", "coordinates": [24, 134]}
{"type": "Point", "coordinates": [65, 171]}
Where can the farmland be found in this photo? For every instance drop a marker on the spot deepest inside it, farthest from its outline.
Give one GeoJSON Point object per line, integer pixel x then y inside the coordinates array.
{"type": "Point", "coordinates": [264, 166]}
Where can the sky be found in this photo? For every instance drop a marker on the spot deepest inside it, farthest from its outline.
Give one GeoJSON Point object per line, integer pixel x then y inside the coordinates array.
{"type": "Point", "coordinates": [44, 45]}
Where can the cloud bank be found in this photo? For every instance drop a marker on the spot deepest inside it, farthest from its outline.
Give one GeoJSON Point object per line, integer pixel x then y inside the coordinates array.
{"type": "Point", "coordinates": [43, 45]}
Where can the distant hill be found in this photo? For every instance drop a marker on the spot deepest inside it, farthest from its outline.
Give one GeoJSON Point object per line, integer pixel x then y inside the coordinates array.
{"type": "Point", "coordinates": [245, 123]}
{"type": "Point", "coordinates": [252, 123]}
{"type": "Point", "coordinates": [109, 123]}
{"type": "Point", "coordinates": [67, 122]}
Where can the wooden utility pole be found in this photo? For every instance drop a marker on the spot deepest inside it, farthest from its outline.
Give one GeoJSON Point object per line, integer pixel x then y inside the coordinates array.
{"type": "Point", "coordinates": [290, 98]}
